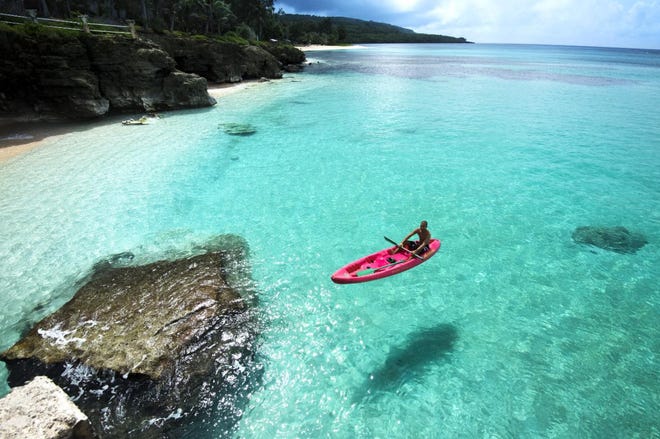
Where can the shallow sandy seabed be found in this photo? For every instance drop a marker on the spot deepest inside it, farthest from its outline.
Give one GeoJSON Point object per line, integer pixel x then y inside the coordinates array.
{"type": "Point", "coordinates": [17, 138]}
{"type": "Point", "coordinates": [20, 137]}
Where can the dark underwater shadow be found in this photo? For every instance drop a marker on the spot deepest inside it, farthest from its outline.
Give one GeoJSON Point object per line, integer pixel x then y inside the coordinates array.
{"type": "Point", "coordinates": [409, 361]}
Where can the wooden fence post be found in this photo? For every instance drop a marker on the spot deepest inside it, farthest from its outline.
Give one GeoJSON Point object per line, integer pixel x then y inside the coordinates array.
{"type": "Point", "coordinates": [131, 27]}
{"type": "Point", "coordinates": [32, 13]}
{"type": "Point", "coordinates": [85, 26]}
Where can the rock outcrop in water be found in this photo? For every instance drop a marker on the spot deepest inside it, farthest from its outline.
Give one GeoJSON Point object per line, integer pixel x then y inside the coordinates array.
{"type": "Point", "coordinates": [144, 349]}
{"type": "Point", "coordinates": [617, 239]}
{"type": "Point", "coordinates": [40, 409]}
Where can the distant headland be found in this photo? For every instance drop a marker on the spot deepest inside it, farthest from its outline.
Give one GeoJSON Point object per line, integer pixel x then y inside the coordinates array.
{"type": "Point", "coordinates": [309, 29]}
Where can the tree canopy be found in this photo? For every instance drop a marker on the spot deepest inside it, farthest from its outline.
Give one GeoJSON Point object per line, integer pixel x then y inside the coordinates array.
{"type": "Point", "coordinates": [248, 19]}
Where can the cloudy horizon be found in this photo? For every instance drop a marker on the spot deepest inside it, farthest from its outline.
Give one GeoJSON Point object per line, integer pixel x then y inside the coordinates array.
{"type": "Point", "coordinates": [607, 23]}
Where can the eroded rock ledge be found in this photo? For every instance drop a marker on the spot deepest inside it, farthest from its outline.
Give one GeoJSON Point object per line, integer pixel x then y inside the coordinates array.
{"type": "Point", "coordinates": [143, 349]}
{"type": "Point", "coordinates": [56, 76]}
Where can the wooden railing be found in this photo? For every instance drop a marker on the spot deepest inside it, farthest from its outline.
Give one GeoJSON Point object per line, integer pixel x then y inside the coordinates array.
{"type": "Point", "coordinates": [81, 25]}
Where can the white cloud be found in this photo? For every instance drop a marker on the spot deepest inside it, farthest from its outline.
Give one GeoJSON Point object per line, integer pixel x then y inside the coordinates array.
{"type": "Point", "coordinates": [586, 22]}
{"type": "Point", "coordinates": [629, 23]}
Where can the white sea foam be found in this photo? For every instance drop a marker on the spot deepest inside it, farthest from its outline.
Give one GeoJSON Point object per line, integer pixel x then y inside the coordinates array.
{"type": "Point", "coordinates": [60, 337]}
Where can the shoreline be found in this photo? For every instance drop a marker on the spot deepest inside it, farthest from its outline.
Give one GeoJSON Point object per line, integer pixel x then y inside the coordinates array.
{"type": "Point", "coordinates": [317, 47]}
{"type": "Point", "coordinates": [18, 138]}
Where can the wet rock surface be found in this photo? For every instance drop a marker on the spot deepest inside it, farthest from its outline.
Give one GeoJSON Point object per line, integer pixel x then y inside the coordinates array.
{"type": "Point", "coordinates": [143, 350]}
{"type": "Point", "coordinates": [617, 239]}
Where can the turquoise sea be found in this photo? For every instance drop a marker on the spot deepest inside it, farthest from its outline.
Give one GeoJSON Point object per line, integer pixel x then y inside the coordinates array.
{"type": "Point", "coordinates": [512, 330]}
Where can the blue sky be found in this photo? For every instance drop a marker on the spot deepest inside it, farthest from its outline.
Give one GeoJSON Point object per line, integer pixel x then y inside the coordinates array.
{"type": "Point", "coordinates": [611, 23]}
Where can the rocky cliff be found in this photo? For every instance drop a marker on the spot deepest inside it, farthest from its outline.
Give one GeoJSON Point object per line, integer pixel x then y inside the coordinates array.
{"type": "Point", "coordinates": [220, 62]}
{"type": "Point", "coordinates": [57, 75]}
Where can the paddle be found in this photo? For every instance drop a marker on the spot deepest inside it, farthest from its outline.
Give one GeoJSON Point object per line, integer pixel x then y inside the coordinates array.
{"type": "Point", "coordinates": [373, 270]}
{"type": "Point", "coordinates": [397, 244]}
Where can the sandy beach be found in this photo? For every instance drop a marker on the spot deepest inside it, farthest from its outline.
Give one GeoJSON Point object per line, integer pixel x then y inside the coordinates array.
{"type": "Point", "coordinates": [220, 90]}
{"type": "Point", "coordinates": [17, 138]}
{"type": "Point", "coordinates": [317, 47]}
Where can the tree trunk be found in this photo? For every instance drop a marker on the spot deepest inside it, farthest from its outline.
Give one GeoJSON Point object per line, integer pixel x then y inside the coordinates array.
{"type": "Point", "coordinates": [44, 9]}
{"type": "Point", "coordinates": [209, 18]}
{"type": "Point", "coordinates": [109, 9]}
{"type": "Point", "coordinates": [145, 15]}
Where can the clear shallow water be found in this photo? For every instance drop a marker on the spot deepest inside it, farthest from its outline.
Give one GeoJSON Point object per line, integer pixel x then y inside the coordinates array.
{"type": "Point", "coordinates": [511, 330]}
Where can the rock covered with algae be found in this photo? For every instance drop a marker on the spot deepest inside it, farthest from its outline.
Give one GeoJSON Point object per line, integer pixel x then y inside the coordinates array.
{"type": "Point", "coordinates": [617, 239]}
{"type": "Point", "coordinates": [142, 347]}
{"type": "Point", "coordinates": [238, 129]}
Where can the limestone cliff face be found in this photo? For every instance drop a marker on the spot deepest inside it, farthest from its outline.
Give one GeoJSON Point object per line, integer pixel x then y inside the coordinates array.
{"type": "Point", "coordinates": [220, 62]}
{"type": "Point", "coordinates": [59, 76]}
{"type": "Point", "coordinates": [47, 78]}
{"type": "Point", "coordinates": [139, 75]}
{"type": "Point", "coordinates": [48, 75]}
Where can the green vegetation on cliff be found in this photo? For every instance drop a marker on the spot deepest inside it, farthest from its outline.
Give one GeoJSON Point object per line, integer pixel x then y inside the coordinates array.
{"type": "Point", "coordinates": [251, 19]}
{"type": "Point", "coordinates": [238, 20]}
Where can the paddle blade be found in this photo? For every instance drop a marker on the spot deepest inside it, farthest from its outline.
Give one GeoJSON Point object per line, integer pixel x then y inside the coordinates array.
{"type": "Point", "coordinates": [373, 270]}
{"type": "Point", "coordinates": [365, 272]}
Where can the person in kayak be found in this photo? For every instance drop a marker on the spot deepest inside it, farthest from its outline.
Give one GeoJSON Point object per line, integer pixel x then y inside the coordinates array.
{"type": "Point", "coordinates": [419, 246]}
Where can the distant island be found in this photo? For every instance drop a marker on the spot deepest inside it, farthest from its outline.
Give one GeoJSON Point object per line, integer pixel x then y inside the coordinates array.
{"type": "Point", "coordinates": [310, 29]}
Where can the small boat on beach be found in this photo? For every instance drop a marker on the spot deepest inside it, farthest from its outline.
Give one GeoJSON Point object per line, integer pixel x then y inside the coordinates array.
{"type": "Point", "coordinates": [382, 264]}
{"type": "Point", "coordinates": [140, 121]}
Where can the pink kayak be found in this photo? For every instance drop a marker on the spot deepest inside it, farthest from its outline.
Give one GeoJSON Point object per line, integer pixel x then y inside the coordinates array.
{"type": "Point", "coordinates": [381, 264]}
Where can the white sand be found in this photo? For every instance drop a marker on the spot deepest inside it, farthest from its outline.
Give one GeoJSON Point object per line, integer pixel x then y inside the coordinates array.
{"type": "Point", "coordinates": [220, 90]}
{"type": "Point", "coordinates": [17, 139]}
{"type": "Point", "coordinates": [315, 47]}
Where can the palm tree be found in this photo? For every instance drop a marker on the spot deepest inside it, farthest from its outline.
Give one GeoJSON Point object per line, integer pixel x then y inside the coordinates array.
{"type": "Point", "coordinates": [255, 13]}
{"type": "Point", "coordinates": [217, 11]}
{"type": "Point", "coordinates": [145, 14]}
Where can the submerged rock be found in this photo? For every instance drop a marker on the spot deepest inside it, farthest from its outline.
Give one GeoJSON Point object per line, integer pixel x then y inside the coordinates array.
{"type": "Point", "coordinates": [40, 409]}
{"type": "Point", "coordinates": [238, 129]}
{"type": "Point", "coordinates": [143, 348]}
{"type": "Point", "coordinates": [617, 239]}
